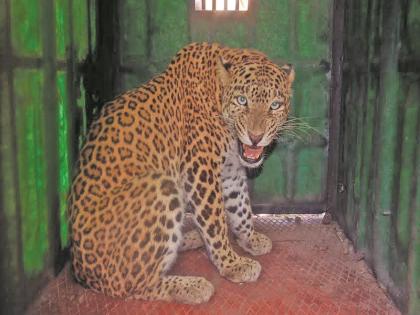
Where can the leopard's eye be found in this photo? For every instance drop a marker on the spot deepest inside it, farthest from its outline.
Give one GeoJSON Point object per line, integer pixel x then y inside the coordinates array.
{"type": "Point", "coordinates": [276, 105]}
{"type": "Point", "coordinates": [242, 100]}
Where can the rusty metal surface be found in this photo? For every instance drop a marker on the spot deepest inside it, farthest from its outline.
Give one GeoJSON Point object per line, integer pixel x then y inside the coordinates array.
{"type": "Point", "coordinates": [312, 269]}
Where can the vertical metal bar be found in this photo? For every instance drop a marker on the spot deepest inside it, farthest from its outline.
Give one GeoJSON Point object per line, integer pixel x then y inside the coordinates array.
{"type": "Point", "coordinates": [51, 129]}
{"type": "Point", "coordinates": [75, 121]}
{"type": "Point", "coordinates": [11, 232]}
{"type": "Point", "coordinates": [385, 144]}
{"type": "Point", "coordinates": [291, 168]}
{"type": "Point", "coordinates": [293, 27]}
{"type": "Point", "coordinates": [149, 30]}
{"type": "Point", "coordinates": [366, 127]}
{"type": "Point", "coordinates": [90, 27]}
{"type": "Point", "coordinates": [107, 51]}
{"type": "Point", "coordinates": [292, 152]}
{"type": "Point", "coordinates": [335, 134]}
{"type": "Point", "coordinates": [413, 272]}
{"type": "Point", "coordinates": [190, 12]}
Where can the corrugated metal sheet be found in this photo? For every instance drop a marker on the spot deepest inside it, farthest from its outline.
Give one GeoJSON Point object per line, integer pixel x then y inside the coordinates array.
{"type": "Point", "coordinates": [379, 166]}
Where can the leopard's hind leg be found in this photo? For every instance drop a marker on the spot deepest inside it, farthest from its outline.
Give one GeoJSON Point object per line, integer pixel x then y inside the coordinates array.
{"type": "Point", "coordinates": [148, 244]}
{"type": "Point", "coordinates": [182, 289]}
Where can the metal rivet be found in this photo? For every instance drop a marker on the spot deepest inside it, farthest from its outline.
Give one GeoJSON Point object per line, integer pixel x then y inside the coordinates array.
{"type": "Point", "coordinates": [341, 188]}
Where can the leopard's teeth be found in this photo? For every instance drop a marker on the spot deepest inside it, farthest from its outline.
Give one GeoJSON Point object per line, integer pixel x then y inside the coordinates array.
{"type": "Point", "coordinates": [252, 153]}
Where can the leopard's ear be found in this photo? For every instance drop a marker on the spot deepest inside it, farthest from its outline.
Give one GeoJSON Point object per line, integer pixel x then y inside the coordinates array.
{"type": "Point", "coordinates": [288, 68]}
{"type": "Point", "coordinates": [223, 73]}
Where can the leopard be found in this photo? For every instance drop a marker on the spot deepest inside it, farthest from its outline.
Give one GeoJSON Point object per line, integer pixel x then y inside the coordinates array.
{"type": "Point", "coordinates": [177, 145]}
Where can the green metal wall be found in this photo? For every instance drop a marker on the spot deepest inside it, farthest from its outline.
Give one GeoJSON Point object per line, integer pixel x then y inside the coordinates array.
{"type": "Point", "coordinates": [379, 164]}
{"type": "Point", "coordinates": [41, 115]}
{"type": "Point", "coordinates": [151, 32]}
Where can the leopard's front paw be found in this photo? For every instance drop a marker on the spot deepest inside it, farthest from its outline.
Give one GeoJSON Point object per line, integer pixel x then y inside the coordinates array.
{"type": "Point", "coordinates": [195, 290]}
{"type": "Point", "coordinates": [242, 270]}
{"type": "Point", "coordinates": [257, 244]}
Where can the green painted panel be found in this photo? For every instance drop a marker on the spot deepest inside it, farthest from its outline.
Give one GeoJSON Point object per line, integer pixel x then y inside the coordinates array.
{"type": "Point", "coordinates": [301, 33]}
{"type": "Point", "coordinates": [274, 42]}
{"type": "Point", "coordinates": [2, 19]}
{"type": "Point", "coordinates": [310, 99]}
{"type": "Point", "coordinates": [355, 142]}
{"type": "Point", "coordinates": [358, 144]}
{"type": "Point", "coordinates": [386, 144]}
{"type": "Point", "coordinates": [10, 254]}
{"type": "Point", "coordinates": [130, 80]}
{"type": "Point", "coordinates": [230, 33]}
{"type": "Point", "coordinates": [80, 28]}
{"type": "Point", "coordinates": [409, 144]}
{"type": "Point", "coordinates": [348, 141]}
{"type": "Point", "coordinates": [312, 28]}
{"type": "Point", "coordinates": [134, 38]}
{"type": "Point", "coordinates": [26, 27]}
{"type": "Point", "coordinates": [92, 26]}
{"type": "Point", "coordinates": [61, 27]}
{"type": "Point", "coordinates": [271, 184]}
{"type": "Point", "coordinates": [310, 174]}
{"type": "Point", "coordinates": [414, 254]}
{"type": "Point", "coordinates": [365, 188]}
{"type": "Point", "coordinates": [63, 146]}
{"type": "Point", "coordinates": [387, 137]}
{"type": "Point", "coordinates": [170, 22]}
{"type": "Point", "coordinates": [413, 22]}
{"type": "Point", "coordinates": [31, 163]}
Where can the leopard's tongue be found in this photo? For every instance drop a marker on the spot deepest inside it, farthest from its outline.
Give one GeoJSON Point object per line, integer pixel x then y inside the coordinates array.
{"type": "Point", "coordinates": [252, 153]}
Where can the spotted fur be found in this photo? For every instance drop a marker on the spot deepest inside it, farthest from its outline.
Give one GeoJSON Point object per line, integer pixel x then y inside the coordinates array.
{"type": "Point", "coordinates": [170, 146]}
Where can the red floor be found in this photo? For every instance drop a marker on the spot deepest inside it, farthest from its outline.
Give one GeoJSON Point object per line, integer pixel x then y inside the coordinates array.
{"type": "Point", "coordinates": [311, 270]}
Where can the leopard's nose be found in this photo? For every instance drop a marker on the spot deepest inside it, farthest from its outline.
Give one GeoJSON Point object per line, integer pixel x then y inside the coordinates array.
{"type": "Point", "coordinates": [255, 139]}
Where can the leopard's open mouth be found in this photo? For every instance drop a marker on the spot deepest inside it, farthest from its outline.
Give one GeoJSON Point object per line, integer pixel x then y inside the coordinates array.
{"type": "Point", "coordinates": [250, 153]}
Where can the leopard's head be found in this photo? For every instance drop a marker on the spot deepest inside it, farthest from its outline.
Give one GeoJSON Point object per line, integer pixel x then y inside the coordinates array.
{"type": "Point", "coordinates": [256, 96]}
